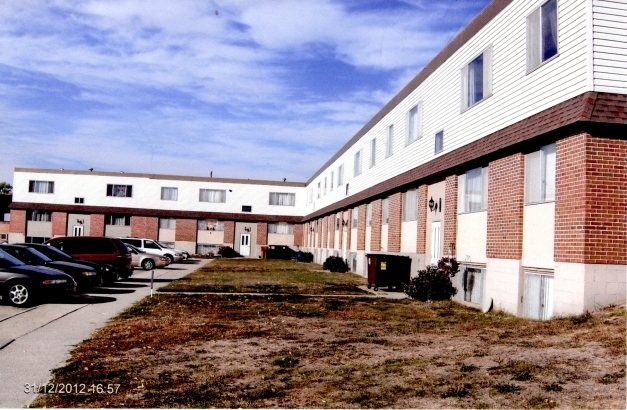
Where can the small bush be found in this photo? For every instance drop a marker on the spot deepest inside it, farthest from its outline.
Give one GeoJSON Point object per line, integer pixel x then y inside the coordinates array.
{"type": "Point", "coordinates": [507, 388]}
{"type": "Point", "coordinates": [553, 387]}
{"type": "Point", "coordinates": [583, 318]}
{"type": "Point", "coordinates": [523, 376]}
{"type": "Point", "coordinates": [285, 361]}
{"type": "Point", "coordinates": [228, 252]}
{"type": "Point", "coordinates": [434, 283]}
{"type": "Point", "coordinates": [335, 264]}
{"type": "Point", "coordinates": [610, 378]}
{"type": "Point", "coordinates": [468, 368]}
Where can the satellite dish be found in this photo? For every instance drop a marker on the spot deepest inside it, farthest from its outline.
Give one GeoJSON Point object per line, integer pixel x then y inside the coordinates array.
{"type": "Point", "coordinates": [487, 305]}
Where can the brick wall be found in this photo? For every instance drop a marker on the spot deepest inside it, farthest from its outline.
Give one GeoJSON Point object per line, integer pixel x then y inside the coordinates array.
{"type": "Point", "coordinates": [96, 225]}
{"type": "Point", "coordinates": [318, 229]}
{"type": "Point", "coordinates": [394, 222]}
{"type": "Point", "coordinates": [375, 226]}
{"type": "Point", "coordinates": [421, 236]}
{"type": "Point", "coordinates": [450, 216]}
{"type": "Point", "coordinates": [262, 233]}
{"type": "Point", "coordinates": [229, 233]}
{"type": "Point", "coordinates": [145, 227]}
{"type": "Point", "coordinates": [341, 235]}
{"type": "Point", "coordinates": [325, 231]}
{"type": "Point", "coordinates": [361, 227]}
{"type": "Point", "coordinates": [505, 207]}
{"type": "Point", "coordinates": [332, 231]}
{"type": "Point", "coordinates": [591, 200]}
{"type": "Point", "coordinates": [349, 230]}
{"type": "Point", "coordinates": [299, 238]}
{"type": "Point", "coordinates": [59, 223]}
{"type": "Point", "coordinates": [186, 230]}
{"type": "Point", "coordinates": [18, 222]}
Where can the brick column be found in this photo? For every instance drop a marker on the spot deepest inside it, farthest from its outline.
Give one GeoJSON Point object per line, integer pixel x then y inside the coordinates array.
{"type": "Point", "coordinates": [145, 227]}
{"type": "Point", "coordinates": [341, 235]}
{"type": "Point", "coordinates": [332, 230]}
{"type": "Point", "coordinates": [349, 228]}
{"type": "Point", "coordinates": [262, 233]}
{"type": "Point", "coordinates": [325, 231]}
{"type": "Point", "coordinates": [319, 232]}
{"type": "Point", "coordinates": [505, 207]}
{"type": "Point", "coordinates": [59, 223]}
{"type": "Point", "coordinates": [591, 200]}
{"type": "Point", "coordinates": [186, 230]}
{"type": "Point", "coordinates": [18, 221]}
{"type": "Point", "coordinates": [421, 235]}
{"type": "Point", "coordinates": [450, 216]}
{"type": "Point", "coordinates": [96, 225]}
{"type": "Point", "coordinates": [299, 238]}
{"type": "Point", "coordinates": [229, 232]}
{"type": "Point", "coordinates": [361, 227]}
{"type": "Point", "coordinates": [375, 226]}
{"type": "Point", "coordinates": [395, 222]}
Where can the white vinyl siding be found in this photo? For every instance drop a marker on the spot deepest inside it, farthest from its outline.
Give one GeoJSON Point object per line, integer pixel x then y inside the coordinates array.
{"type": "Point", "coordinates": [410, 205]}
{"type": "Point", "coordinates": [473, 191]}
{"type": "Point", "coordinates": [610, 45]}
{"type": "Point", "coordinates": [212, 195]}
{"type": "Point", "coordinates": [283, 199]}
{"type": "Point", "coordinates": [169, 194]}
{"type": "Point", "coordinates": [540, 175]}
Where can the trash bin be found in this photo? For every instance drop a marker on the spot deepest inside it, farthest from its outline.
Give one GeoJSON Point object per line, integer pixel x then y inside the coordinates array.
{"type": "Point", "coordinates": [388, 270]}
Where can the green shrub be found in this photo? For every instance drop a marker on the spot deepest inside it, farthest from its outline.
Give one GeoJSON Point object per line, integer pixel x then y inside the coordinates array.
{"type": "Point", "coordinates": [335, 264]}
{"type": "Point", "coordinates": [434, 283]}
{"type": "Point", "coordinates": [228, 252]}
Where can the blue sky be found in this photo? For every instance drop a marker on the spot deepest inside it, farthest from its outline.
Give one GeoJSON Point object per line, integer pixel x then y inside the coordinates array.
{"type": "Point", "coordinates": [264, 89]}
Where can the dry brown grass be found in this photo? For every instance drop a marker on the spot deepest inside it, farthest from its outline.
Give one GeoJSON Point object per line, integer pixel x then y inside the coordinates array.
{"type": "Point", "coordinates": [291, 351]}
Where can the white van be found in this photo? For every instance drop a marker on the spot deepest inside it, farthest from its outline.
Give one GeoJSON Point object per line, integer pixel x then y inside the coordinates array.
{"type": "Point", "coordinates": [152, 246]}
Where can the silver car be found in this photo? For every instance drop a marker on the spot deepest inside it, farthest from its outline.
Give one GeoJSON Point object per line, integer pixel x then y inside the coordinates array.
{"type": "Point", "coordinates": [147, 260]}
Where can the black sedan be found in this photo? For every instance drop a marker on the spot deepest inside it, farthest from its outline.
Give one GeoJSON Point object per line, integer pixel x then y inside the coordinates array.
{"type": "Point", "coordinates": [21, 285]}
{"type": "Point", "coordinates": [104, 270]}
{"type": "Point", "coordinates": [84, 276]}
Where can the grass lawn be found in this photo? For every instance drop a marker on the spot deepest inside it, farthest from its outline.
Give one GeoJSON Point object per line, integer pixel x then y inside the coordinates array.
{"type": "Point", "coordinates": [291, 351]}
{"type": "Point", "coordinates": [267, 276]}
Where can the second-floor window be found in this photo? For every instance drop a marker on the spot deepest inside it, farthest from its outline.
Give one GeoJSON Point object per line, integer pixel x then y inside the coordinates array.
{"type": "Point", "coordinates": [340, 175]}
{"type": "Point", "coordinates": [331, 179]}
{"type": "Point", "coordinates": [477, 79]}
{"type": "Point", "coordinates": [120, 190]}
{"type": "Point", "coordinates": [284, 199]}
{"type": "Point", "coordinates": [414, 124]}
{"type": "Point", "coordinates": [439, 141]}
{"type": "Point", "coordinates": [212, 195]}
{"type": "Point", "coordinates": [357, 164]}
{"type": "Point", "coordinates": [169, 194]}
{"type": "Point", "coordinates": [390, 145]}
{"type": "Point", "coordinates": [373, 152]}
{"type": "Point", "coordinates": [41, 187]}
{"type": "Point", "coordinates": [540, 175]}
{"type": "Point", "coordinates": [542, 35]}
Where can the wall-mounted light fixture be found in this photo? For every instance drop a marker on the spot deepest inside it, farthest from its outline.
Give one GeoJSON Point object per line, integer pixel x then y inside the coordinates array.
{"type": "Point", "coordinates": [247, 229]}
{"type": "Point", "coordinates": [80, 221]}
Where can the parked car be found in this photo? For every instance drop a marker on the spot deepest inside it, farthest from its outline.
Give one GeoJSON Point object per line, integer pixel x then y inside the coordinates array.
{"type": "Point", "coordinates": [102, 249]}
{"type": "Point", "coordinates": [150, 245]}
{"type": "Point", "coordinates": [84, 276]}
{"type": "Point", "coordinates": [105, 270]}
{"type": "Point", "coordinates": [280, 252]}
{"type": "Point", "coordinates": [147, 260]}
{"type": "Point", "coordinates": [21, 285]}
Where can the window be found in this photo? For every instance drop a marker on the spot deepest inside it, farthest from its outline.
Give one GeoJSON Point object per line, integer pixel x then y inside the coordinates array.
{"type": "Point", "coordinates": [477, 79]}
{"type": "Point", "coordinates": [210, 225]}
{"type": "Point", "coordinates": [385, 211]}
{"type": "Point", "coordinates": [120, 190]}
{"type": "Point", "coordinates": [331, 188]}
{"type": "Point", "coordinates": [283, 228]}
{"type": "Point", "coordinates": [540, 175]}
{"type": "Point", "coordinates": [390, 145]}
{"type": "Point", "coordinates": [169, 194]}
{"type": "Point", "coordinates": [542, 35]}
{"type": "Point", "coordinates": [414, 124]}
{"type": "Point", "coordinates": [39, 216]}
{"type": "Point", "coordinates": [369, 215]}
{"type": "Point", "coordinates": [439, 141]}
{"type": "Point", "coordinates": [79, 200]}
{"type": "Point", "coordinates": [118, 220]}
{"type": "Point", "coordinates": [357, 164]}
{"type": "Point", "coordinates": [373, 152]}
{"type": "Point", "coordinates": [319, 190]}
{"type": "Point", "coordinates": [41, 187]}
{"type": "Point", "coordinates": [338, 221]}
{"type": "Point", "coordinates": [347, 189]}
{"type": "Point", "coordinates": [36, 239]}
{"type": "Point", "coordinates": [410, 205]}
{"type": "Point", "coordinates": [167, 223]}
{"type": "Point", "coordinates": [355, 216]}
{"type": "Point", "coordinates": [473, 190]}
{"type": "Point", "coordinates": [340, 175]}
{"type": "Point", "coordinates": [247, 208]}
{"type": "Point", "coordinates": [206, 249]}
{"type": "Point", "coordinates": [212, 195]}
{"type": "Point", "coordinates": [471, 284]}
{"type": "Point", "coordinates": [324, 192]}
{"type": "Point", "coordinates": [282, 198]}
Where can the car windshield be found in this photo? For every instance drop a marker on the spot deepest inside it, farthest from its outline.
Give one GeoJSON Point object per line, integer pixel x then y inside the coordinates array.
{"type": "Point", "coordinates": [7, 261]}
{"type": "Point", "coordinates": [162, 245]}
{"type": "Point", "coordinates": [39, 255]}
{"type": "Point", "coordinates": [52, 253]}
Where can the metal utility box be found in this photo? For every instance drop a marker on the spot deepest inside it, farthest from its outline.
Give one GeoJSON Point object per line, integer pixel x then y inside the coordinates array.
{"type": "Point", "coordinates": [388, 270]}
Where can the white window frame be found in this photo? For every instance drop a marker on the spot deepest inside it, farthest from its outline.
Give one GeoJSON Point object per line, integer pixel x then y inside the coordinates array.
{"type": "Point", "coordinates": [540, 169]}
{"type": "Point", "coordinates": [413, 124]}
{"type": "Point", "coordinates": [473, 190]}
{"type": "Point", "coordinates": [536, 36]}
{"type": "Point", "coordinates": [468, 84]}
{"type": "Point", "coordinates": [357, 164]}
{"type": "Point", "coordinates": [169, 193]}
{"type": "Point", "coordinates": [212, 195]}
{"type": "Point", "coordinates": [282, 199]}
{"type": "Point", "coordinates": [319, 189]}
{"type": "Point", "coordinates": [324, 192]}
{"type": "Point", "coordinates": [331, 179]}
{"type": "Point", "coordinates": [340, 175]}
{"type": "Point", "coordinates": [410, 205]}
{"type": "Point", "coordinates": [389, 149]}
{"type": "Point", "coordinates": [41, 187]}
{"type": "Point", "coordinates": [167, 223]}
{"type": "Point", "coordinates": [439, 136]}
{"type": "Point", "coordinates": [281, 228]}
{"type": "Point", "coordinates": [385, 211]}
{"type": "Point", "coordinates": [373, 152]}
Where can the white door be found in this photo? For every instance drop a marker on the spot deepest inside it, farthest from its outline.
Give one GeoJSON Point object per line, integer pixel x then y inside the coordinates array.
{"type": "Point", "coordinates": [77, 230]}
{"type": "Point", "coordinates": [436, 242]}
{"type": "Point", "coordinates": [244, 244]}
{"type": "Point", "coordinates": [344, 245]}
{"type": "Point", "coordinates": [538, 296]}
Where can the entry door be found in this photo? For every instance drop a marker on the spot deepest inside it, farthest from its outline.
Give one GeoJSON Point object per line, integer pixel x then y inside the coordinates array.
{"type": "Point", "coordinates": [436, 242]}
{"type": "Point", "coordinates": [244, 244]}
{"type": "Point", "coordinates": [344, 245]}
{"type": "Point", "coordinates": [77, 230]}
{"type": "Point", "coordinates": [538, 296]}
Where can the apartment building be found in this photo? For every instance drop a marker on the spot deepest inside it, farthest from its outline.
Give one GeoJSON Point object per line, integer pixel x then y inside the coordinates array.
{"type": "Point", "coordinates": [507, 151]}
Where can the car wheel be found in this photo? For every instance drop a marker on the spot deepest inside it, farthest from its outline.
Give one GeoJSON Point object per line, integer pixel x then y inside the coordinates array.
{"type": "Point", "coordinates": [170, 259]}
{"type": "Point", "coordinates": [19, 294]}
{"type": "Point", "coordinates": [148, 264]}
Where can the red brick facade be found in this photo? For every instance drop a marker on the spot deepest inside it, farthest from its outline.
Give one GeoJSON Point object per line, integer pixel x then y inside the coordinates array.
{"type": "Point", "coordinates": [505, 207]}
{"type": "Point", "coordinates": [375, 225]}
{"type": "Point", "coordinates": [229, 232]}
{"type": "Point", "coordinates": [421, 237]}
{"type": "Point", "coordinates": [450, 216]}
{"type": "Point", "coordinates": [59, 223]}
{"type": "Point", "coordinates": [325, 231]}
{"type": "Point", "coordinates": [591, 200]}
{"type": "Point", "coordinates": [18, 222]}
{"type": "Point", "coordinates": [299, 238]}
{"type": "Point", "coordinates": [262, 233]}
{"type": "Point", "coordinates": [349, 229]}
{"type": "Point", "coordinates": [332, 230]}
{"type": "Point", "coordinates": [145, 227]}
{"type": "Point", "coordinates": [318, 231]}
{"type": "Point", "coordinates": [97, 225]}
{"type": "Point", "coordinates": [361, 227]}
{"type": "Point", "coordinates": [186, 230]}
{"type": "Point", "coordinates": [394, 222]}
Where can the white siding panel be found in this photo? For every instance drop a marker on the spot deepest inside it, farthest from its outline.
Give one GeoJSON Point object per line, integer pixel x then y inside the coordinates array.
{"type": "Point", "coordinates": [610, 45]}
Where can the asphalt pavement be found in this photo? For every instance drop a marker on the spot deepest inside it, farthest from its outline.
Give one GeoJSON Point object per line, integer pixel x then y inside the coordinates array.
{"type": "Point", "coordinates": [36, 340]}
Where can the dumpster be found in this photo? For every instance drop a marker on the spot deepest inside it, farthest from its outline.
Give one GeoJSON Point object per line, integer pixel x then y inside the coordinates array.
{"type": "Point", "coordinates": [388, 270]}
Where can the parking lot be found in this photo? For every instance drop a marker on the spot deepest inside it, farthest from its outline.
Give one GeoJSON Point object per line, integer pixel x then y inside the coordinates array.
{"type": "Point", "coordinates": [35, 340]}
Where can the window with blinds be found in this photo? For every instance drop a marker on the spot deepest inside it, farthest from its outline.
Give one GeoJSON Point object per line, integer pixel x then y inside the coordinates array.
{"type": "Point", "coordinates": [284, 199]}
{"type": "Point", "coordinates": [473, 190]}
{"type": "Point", "coordinates": [540, 175]}
{"type": "Point", "coordinates": [167, 223]}
{"type": "Point", "coordinates": [410, 205]}
{"type": "Point", "coordinates": [169, 194]}
{"type": "Point", "coordinates": [212, 195]}
{"type": "Point", "coordinates": [41, 187]}
{"type": "Point", "coordinates": [283, 228]}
